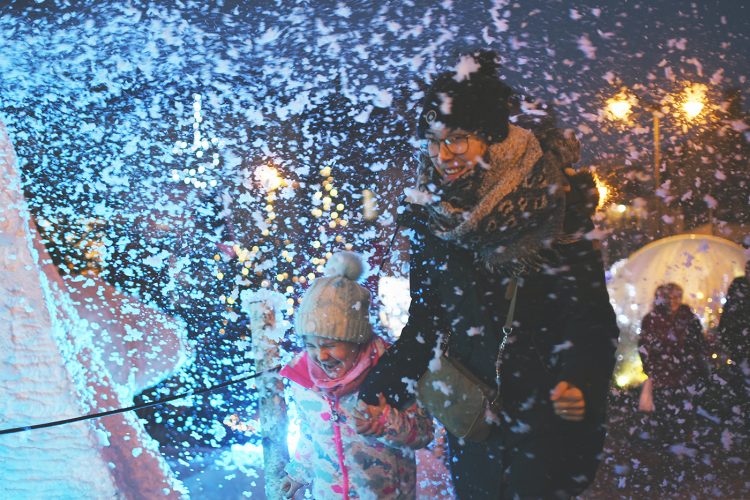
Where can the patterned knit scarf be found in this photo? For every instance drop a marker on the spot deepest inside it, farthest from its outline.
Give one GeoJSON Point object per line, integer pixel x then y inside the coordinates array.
{"type": "Point", "coordinates": [507, 210]}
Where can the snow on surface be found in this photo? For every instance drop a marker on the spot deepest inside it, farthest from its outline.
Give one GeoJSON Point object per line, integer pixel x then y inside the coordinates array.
{"type": "Point", "coordinates": [35, 384]}
{"type": "Point", "coordinates": [52, 370]}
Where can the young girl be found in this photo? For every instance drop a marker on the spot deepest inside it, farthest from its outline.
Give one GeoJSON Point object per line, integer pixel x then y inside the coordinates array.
{"type": "Point", "coordinates": [343, 450]}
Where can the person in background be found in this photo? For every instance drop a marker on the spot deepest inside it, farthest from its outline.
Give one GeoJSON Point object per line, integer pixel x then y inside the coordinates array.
{"type": "Point", "coordinates": [343, 452]}
{"type": "Point", "coordinates": [734, 339]}
{"type": "Point", "coordinates": [674, 354]}
{"type": "Point", "coordinates": [492, 206]}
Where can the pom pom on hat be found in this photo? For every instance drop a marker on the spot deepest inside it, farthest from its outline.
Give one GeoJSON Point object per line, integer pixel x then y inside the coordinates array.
{"type": "Point", "coordinates": [336, 306]}
{"type": "Point", "coordinates": [348, 265]}
{"type": "Point", "coordinates": [470, 96]}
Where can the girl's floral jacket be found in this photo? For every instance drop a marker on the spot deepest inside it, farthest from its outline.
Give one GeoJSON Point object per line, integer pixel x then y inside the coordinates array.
{"type": "Point", "coordinates": [337, 461]}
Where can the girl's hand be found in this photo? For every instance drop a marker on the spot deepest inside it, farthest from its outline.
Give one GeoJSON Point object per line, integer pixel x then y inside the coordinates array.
{"type": "Point", "coordinates": [370, 420]}
{"type": "Point", "coordinates": [289, 487]}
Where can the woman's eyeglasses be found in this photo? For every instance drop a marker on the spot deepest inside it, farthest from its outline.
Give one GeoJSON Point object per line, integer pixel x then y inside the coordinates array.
{"type": "Point", "coordinates": [455, 144]}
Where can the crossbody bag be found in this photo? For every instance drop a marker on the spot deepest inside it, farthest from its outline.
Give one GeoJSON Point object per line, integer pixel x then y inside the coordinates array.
{"type": "Point", "coordinates": [464, 404]}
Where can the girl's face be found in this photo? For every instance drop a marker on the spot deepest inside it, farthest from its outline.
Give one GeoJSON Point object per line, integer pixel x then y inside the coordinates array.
{"type": "Point", "coordinates": [334, 357]}
{"type": "Point", "coordinates": [454, 152]}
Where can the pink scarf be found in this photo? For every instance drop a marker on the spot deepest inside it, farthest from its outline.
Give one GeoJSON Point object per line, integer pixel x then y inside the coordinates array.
{"type": "Point", "coordinates": [309, 375]}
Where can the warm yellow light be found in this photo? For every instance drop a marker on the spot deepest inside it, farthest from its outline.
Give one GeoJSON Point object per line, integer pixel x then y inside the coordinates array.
{"type": "Point", "coordinates": [268, 177]}
{"type": "Point", "coordinates": [692, 108]}
{"type": "Point", "coordinates": [694, 100]}
{"type": "Point", "coordinates": [621, 208]}
{"type": "Point", "coordinates": [619, 107]}
{"type": "Point", "coordinates": [603, 191]}
{"type": "Point", "coordinates": [630, 373]}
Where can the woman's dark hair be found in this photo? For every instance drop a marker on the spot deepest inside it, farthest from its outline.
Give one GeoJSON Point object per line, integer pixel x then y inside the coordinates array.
{"type": "Point", "coordinates": [471, 97]}
{"type": "Point", "coordinates": [664, 292]}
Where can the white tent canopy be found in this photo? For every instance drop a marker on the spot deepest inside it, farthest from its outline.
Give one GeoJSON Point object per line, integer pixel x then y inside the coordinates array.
{"type": "Point", "coordinates": [702, 265]}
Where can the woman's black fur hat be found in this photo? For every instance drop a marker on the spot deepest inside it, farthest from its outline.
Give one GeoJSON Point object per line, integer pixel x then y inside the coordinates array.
{"type": "Point", "coordinates": [471, 97]}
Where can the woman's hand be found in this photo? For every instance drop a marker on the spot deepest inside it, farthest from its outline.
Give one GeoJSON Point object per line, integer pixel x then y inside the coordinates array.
{"type": "Point", "coordinates": [370, 420]}
{"type": "Point", "coordinates": [568, 402]}
{"type": "Point", "coordinates": [289, 487]}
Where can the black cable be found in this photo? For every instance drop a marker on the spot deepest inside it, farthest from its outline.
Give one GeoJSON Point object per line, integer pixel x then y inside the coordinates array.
{"type": "Point", "coordinates": [388, 250]}
{"type": "Point", "coordinates": [134, 407]}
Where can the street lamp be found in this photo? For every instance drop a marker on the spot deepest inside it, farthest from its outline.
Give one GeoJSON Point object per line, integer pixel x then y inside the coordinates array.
{"type": "Point", "coordinates": [690, 102]}
{"type": "Point", "coordinates": [621, 106]}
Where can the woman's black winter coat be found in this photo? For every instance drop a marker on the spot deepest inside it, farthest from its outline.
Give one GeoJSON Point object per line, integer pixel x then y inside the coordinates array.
{"type": "Point", "coordinates": [565, 329]}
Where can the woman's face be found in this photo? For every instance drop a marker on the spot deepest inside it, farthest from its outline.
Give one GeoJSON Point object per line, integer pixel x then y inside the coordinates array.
{"type": "Point", "coordinates": [454, 152]}
{"type": "Point", "coordinates": [675, 299]}
{"type": "Point", "coordinates": [334, 357]}
{"type": "Point", "coordinates": [669, 298]}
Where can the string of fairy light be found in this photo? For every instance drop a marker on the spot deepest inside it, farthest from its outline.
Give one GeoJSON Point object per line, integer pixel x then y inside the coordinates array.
{"type": "Point", "coordinates": [202, 175]}
{"type": "Point", "coordinates": [328, 210]}
{"type": "Point", "coordinates": [331, 211]}
{"type": "Point", "coordinates": [201, 170]}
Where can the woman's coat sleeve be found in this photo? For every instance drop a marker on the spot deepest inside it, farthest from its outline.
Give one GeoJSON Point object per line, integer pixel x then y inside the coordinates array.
{"type": "Point", "coordinates": [399, 369]}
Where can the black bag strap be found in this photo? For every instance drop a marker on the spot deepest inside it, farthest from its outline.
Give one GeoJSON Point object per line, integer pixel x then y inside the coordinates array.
{"type": "Point", "coordinates": [512, 291]}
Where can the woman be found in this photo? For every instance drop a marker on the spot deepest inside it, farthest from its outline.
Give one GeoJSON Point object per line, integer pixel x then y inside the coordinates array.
{"type": "Point", "coordinates": [673, 351]}
{"type": "Point", "coordinates": [492, 204]}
